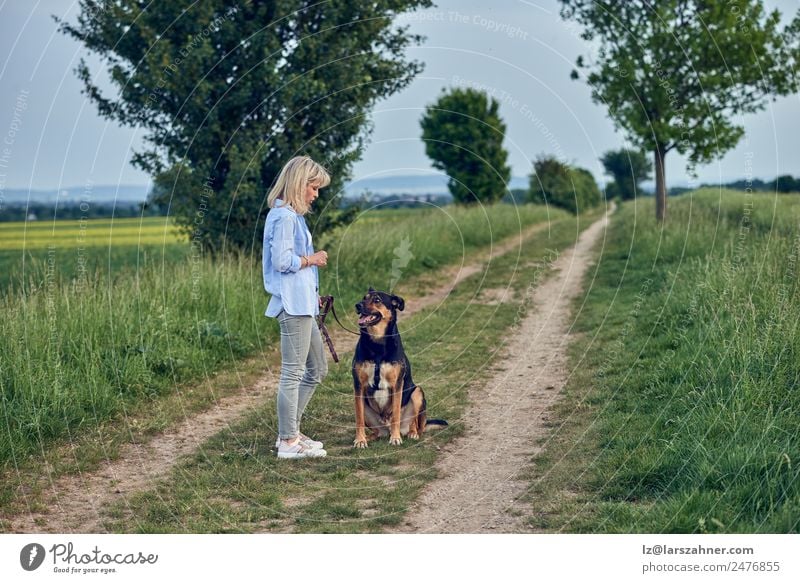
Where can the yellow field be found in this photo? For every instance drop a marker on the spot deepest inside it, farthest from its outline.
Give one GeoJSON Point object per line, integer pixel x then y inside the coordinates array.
{"type": "Point", "coordinates": [88, 233]}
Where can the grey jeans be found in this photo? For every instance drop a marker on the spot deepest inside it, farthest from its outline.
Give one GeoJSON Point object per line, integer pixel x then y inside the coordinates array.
{"type": "Point", "coordinates": [303, 366]}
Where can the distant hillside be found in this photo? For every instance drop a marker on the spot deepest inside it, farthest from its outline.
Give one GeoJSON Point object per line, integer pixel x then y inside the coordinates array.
{"type": "Point", "coordinates": [105, 195]}
{"type": "Point", "coordinates": [411, 184]}
{"type": "Point", "coordinates": [782, 184]}
{"type": "Point", "coordinates": [124, 195]}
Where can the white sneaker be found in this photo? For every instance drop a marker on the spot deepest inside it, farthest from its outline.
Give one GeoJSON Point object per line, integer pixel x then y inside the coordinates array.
{"type": "Point", "coordinates": [313, 444]}
{"type": "Point", "coordinates": [298, 450]}
{"type": "Point", "coordinates": [305, 440]}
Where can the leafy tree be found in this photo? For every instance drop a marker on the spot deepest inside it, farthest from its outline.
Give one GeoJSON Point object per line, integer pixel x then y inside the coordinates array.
{"type": "Point", "coordinates": [229, 91]}
{"type": "Point", "coordinates": [628, 168]}
{"type": "Point", "coordinates": [463, 135]}
{"type": "Point", "coordinates": [588, 192]}
{"type": "Point", "coordinates": [550, 182]}
{"type": "Point", "coordinates": [559, 184]}
{"type": "Point", "coordinates": [785, 183]}
{"type": "Point", "coordinates": [675, 73]}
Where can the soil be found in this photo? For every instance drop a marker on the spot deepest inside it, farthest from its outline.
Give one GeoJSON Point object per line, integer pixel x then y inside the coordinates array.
{"type": "Point", "coordinates": [507, 419]}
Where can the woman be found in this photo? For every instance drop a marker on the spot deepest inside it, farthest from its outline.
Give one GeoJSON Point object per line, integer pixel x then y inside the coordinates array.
{"type": "Point", "coordinates": [290, 275]}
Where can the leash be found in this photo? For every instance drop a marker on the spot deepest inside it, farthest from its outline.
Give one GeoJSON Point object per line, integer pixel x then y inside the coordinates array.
{"type": "Point", "coordinates": [327, 303]}
{"type": "Point", "coordinates": [327, 306]}
{"type": "Point", "coordinates": [333, 310]}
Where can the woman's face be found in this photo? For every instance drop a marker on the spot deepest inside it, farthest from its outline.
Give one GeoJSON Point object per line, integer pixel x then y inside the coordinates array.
{"type": "Point", "coordinates": [312, 192]}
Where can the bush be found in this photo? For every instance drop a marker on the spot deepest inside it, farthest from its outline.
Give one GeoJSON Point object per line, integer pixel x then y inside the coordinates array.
{"type": "Point", "coordinates": [559, 184]}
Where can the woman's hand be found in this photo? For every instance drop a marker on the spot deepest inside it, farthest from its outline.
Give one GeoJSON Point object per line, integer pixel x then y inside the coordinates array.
{"type": "Point", "coordinates": [319, 258]}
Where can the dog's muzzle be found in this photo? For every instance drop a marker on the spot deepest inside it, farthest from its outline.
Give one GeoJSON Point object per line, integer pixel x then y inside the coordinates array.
{"type": "Point", "coordinates": [367, 318]}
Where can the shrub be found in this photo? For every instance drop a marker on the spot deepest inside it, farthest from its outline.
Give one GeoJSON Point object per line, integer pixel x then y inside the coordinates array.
{"type": "Point", "coordinates": [556, 183]}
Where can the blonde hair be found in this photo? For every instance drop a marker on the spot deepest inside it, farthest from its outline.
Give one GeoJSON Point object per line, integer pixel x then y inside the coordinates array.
{"type": "Point", "coordinates": [298, 173]}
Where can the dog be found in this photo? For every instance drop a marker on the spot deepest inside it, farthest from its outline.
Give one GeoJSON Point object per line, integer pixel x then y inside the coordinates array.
{"type": "Point", "coordinates": [386, 399]}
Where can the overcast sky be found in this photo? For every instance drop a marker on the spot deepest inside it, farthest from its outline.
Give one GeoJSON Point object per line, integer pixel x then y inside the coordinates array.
{"type": "Point", "coordinates": [520, 51]}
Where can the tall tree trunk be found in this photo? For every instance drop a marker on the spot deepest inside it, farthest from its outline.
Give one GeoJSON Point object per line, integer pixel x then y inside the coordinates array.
{"type": "Point", "coordinates": [661, 184]}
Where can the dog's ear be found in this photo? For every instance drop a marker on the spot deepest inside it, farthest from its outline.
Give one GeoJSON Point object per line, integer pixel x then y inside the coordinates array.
{"type": "Point", "coordinates": [371, 290]}
{"type": "Point", "coordinates": [398, 303]}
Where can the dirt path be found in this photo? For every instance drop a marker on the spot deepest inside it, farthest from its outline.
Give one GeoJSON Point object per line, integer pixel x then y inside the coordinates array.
{"type": "Point", "coordinates": [506, 418]}
{"type": "Point", "coordinates": [75, 502]}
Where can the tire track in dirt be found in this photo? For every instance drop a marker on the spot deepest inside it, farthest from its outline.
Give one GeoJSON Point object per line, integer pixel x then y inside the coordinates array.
{"type": "Point", "coordinates": [75, 502]}
{"type": "Point", "coordinates": [507, 417]}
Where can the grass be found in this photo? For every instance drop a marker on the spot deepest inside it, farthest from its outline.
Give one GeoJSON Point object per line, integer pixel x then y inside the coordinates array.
{"type": "Point", "coordinates": [682, 409]}
{"type": "Point", "coordinates": [76, 355]}
{"type": "Point", "coordinates": [234, 483]}
{"type": "Point", "coordinates": [400, 243]}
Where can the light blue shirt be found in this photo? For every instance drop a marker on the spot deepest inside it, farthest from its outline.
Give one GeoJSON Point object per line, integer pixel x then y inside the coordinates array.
{"type": "Point", "coordinates": [286, 238]}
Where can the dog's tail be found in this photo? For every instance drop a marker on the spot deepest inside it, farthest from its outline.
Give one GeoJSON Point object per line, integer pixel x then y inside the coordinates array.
{"type": "Point", "coordinates": [430, 423]}
{"type": "Point", "coordinates": [435, 424]}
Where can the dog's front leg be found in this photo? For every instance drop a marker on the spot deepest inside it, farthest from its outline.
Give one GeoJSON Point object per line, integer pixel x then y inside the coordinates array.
{"type": "Point", "coordinates": [362, 373]}
{"type": "Point", "coordinates": [361, 434]}
{"type": "Point", "coordinates": [397, 400]}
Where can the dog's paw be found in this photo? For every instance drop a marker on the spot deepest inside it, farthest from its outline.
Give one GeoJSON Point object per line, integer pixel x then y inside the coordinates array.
{"type": "Point", "coordinates": [395, 441]}
{"type": "Point", "coordinates": [414, 436]}
{"type": "Point", "coordinates": [360, 443]}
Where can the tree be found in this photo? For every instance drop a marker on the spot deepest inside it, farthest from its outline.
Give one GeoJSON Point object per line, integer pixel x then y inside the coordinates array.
{"type": "Point", "coordinates": [561, 185]}
{"type": "Point", "coordinates": [463, 135]}
{"type": "Point", "coordinates": [784, 184]}
{"type": "Point", "coordinates": [588, 193]}
{"type": "Point", "coordinates": [550, 183]}
{"type": "Point", "coordinates": [628, 168]}
{"type": "Point", "coordinates": [674, 73]}
{"type": "Point", "coordinates": [228, 92]}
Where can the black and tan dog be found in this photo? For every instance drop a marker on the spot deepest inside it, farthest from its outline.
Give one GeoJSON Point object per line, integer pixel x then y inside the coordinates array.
{"type": "Point", "coordinates": [387, 400]}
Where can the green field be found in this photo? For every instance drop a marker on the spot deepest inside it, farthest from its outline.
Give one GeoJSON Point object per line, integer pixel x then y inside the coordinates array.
{"type": "Point", "coordinates": [234, 482]}
{"type": "Point", "coordinates": [74, 356]}
{"type": "Point", "coordinates": [684, 403]}
{"type": "Point", "coordinates": [680, 414]}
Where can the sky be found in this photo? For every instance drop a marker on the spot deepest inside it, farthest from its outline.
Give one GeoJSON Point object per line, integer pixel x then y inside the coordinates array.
{"type": "Point", "coordinates": [519, 51]}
